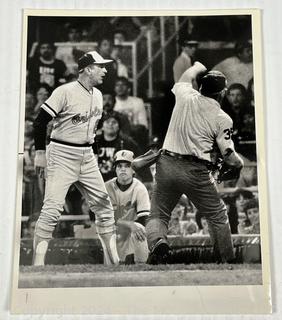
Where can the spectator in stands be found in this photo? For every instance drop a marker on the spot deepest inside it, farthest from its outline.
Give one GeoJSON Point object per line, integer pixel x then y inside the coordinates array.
{"type": "Point", "coordinates": [189, 228]}
{"type": "Point", "coordinates": [108, 107]}
{"type": "Point", "coordinates": [174, 226]}
{"type": "Point", "coordinates": [117, 55]}
{"type": "Point", "coordinates": [178, 217]}
{"type": "Point", "coordinates": [241, 197]}
{"type": "Point", "coordinates": [72, 52]}
{"type": "Point", "coordinates": [186, 58]}
{"type": "Point", "coordinates": [247, 150]}
{"type": "Point", "coordinates": [202, 223]}
{"type": "Point", "coordinates": [42, 94]}
{"type": "Point", "coordinates": [119, 36]}
{"type": "Point", "coordinates": [235, 204]}
{"type": "Point", "coordinates": [244, 134]}
{"type": "Point", "coordinates": [105, 47]}
{"type": "Point", "coordinates": [109, 142]}
{"type": "Point", "coordinates": [252, 212]}
{"type": "Point", "coordinates": [235, 105]}
{"type": "Point", "coordinates": [238, 68]}
{"type": "Point", "coordinates": [249, 223]}
{"type": "Point", "coordinates": [248, 129]}
{"type": "Point", "coordinates": [29, 104]}
{"type": "Point", "coordinates": [134, 109]}
{"type": "Point", "coordinates": [242, 218]}
{"type": "Point", "coordinates": [203, 227]}
{"type": "Point", "coordinates": [46, 68]}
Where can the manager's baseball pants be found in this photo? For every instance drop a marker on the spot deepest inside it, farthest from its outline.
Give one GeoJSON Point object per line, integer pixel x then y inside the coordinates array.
{"type": "Point", "coordinates": [175, 177]}
{"type": "Point", "coordinates": [67, 165]}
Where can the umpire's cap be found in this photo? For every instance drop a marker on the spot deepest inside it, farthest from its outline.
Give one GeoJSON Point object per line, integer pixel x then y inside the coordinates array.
{"type": "Point", "coordinates": [213, 82]}
{"type": "Point", "coordinates": [91, 57]}
{"type": "Point", "coordinates": [124, 156]}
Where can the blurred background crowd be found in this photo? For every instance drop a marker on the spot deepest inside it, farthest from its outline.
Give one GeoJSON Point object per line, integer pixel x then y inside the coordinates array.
{"type": "Point", "coordinates": [150, 54]}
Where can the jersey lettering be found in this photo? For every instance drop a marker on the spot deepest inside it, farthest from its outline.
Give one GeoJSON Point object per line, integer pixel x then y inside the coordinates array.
{"type": "Point", "coordinates": [107, 152]}
{"type": "Point", "coordinates": [84, 118]}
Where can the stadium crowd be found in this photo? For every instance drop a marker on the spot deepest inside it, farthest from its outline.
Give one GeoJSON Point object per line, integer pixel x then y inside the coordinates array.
{"type": "Point", "coordinates": [125, 123]}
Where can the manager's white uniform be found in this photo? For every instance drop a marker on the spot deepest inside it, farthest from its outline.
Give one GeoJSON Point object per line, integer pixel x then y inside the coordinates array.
{"type": "Point", "coordinates": [70, 157]}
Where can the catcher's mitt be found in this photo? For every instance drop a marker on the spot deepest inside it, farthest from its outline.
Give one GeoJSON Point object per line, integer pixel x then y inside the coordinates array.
{"type": "Point", "coordinates": [145, 160]}
{"type": "Point", "coordinates": [226, 172]}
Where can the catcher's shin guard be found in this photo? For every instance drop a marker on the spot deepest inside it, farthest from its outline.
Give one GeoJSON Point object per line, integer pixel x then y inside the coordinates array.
{"type": "Point", "coordinates": [108, 241]}
{"type": "Point", "coordinates": [40, 247]}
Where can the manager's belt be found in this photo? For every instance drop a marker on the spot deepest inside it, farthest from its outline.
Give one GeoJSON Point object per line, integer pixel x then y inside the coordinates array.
{"type": "Point", "coordinates": [71, 144]}
{"type": "Point", "coordinates": [188, 157]}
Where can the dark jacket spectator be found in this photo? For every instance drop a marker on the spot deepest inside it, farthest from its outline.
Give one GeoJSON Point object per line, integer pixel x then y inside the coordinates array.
{"type": "Point", "coordinates": [111, 141]}
{"type": "Point", "coordinates": [46, 68]}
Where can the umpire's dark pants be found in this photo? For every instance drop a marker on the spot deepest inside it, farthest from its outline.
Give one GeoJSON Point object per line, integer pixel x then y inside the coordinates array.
{"type": "Point", "coordinates": [177, 176]}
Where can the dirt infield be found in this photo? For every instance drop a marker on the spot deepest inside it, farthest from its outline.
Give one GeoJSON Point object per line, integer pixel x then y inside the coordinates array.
{"type": "Point", "coordinates": [138, 276]}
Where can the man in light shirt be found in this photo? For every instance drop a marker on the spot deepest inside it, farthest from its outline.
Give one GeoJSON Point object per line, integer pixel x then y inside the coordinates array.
{"type": "Point", "coordinates": [185, 59]}
{"type": "Point", "coordinates": [239, 67]}
{"type": "Point", "coordinates": [133, 107]}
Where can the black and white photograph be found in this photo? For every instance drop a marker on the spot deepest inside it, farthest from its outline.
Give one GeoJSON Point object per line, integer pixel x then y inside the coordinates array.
{"type": "Point", "coordinates": [141, 157]}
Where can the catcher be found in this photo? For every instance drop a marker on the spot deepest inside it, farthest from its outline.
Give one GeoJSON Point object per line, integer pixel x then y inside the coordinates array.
{"type": "Point", "coordinates": [131, 203]}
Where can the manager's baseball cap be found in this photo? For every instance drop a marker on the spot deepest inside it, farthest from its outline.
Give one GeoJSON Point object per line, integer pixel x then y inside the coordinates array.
{"type": "Point", "coordinates": [124, 156]}
{"type": "Point", "coordinates": [213, 82]}
{"type": "Point", "coordinates": [91, 57]}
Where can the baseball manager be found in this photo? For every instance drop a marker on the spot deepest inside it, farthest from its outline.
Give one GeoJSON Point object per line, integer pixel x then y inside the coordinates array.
{"type": "Point", "coordinates": [76, 108]}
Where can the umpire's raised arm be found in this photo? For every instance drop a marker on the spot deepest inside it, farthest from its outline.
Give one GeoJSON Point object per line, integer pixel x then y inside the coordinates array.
{"type": "Point", "coordinates": [190, 75]}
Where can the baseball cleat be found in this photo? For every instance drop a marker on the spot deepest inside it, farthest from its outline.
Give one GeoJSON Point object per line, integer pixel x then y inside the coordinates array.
{"type": "Point", "coordinates": [159, 253]}
{"type": "Point", "coordinates": [129, 259]}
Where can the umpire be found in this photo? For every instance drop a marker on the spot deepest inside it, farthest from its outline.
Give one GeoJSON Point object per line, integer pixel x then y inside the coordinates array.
{"type": "Point", "coordinates": [197, 123]}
